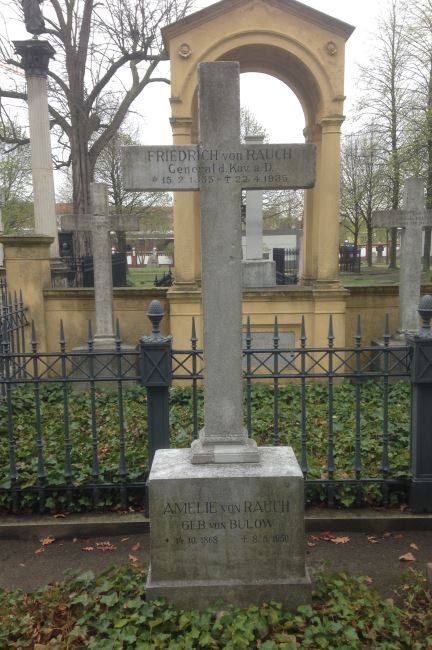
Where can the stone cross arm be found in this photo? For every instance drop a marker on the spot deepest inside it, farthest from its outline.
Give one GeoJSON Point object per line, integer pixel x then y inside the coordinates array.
{"type": "Point", "coordinates": [190, 167]}
{"type": "Point", "coordinates": [92, 222]}
{"type": "Point", "coordinates": [402, 218]}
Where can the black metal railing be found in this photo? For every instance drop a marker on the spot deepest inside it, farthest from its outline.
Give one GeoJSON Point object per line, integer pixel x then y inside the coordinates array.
{"type": "Point", "coordinates": [13, 319]}
{"type": "Point", "coordinates": [75, 423]}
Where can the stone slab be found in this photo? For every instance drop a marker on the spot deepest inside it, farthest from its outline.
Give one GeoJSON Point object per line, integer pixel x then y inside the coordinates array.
{"type": "Point", "coordinates": [258, 273]}
{"type": "Point", "coordinates": [232, 532]}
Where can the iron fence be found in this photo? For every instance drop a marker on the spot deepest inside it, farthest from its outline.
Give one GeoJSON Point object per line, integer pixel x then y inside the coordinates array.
{"type": "Point", "coordinates": [75, 423]}
{"type": "Point", "coordinates": [13, 319]}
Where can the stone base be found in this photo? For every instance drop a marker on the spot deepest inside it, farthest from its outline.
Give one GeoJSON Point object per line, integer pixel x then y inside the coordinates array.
{"type": "Point", "coordinates": [232, 532]}
{"type": "Point", "coordinates": [291, 593]}
{"type": "Point", "coordinates": [258, 273]}
{"type": "Point", "coordinates": [245, 452]}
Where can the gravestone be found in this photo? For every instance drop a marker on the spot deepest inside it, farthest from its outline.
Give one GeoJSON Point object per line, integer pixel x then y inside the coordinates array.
{"type": "Point", "coordinates": [412, 219]}
{"type": "Point", "coordinates": [227, 518]}
{"type": "Point", "coordinates": [100, 223]}
{"type": "Point", "coordinates": [257, 272]}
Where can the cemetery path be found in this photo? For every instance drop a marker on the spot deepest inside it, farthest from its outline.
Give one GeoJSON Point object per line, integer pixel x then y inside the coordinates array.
{"type": "Point", "coordinates": [377, 555]}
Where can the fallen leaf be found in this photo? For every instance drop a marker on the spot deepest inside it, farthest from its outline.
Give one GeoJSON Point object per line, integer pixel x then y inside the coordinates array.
{"type": "Point", "coordinates": [340, 540]}
{"type": "Point", "coordinates": [136, 547]}
{"type": "Point", "coordinates": [133, 559]}
{"type": "Point", "coordinates": [403, 507]}
{"type": "Point", "coordinates": [75, 539]}
{"type": "Point", "coordinates": [87, 548]}
{"type": "Point", "coordinates": [311, 544]}
{"type": "Point", "coordinates": [59, 515]}
{"type": "Point", "coordinates": [392, 536]}
{"type": "Point", "coordinates": [368, 579]}
{"type": "Point", "coordinates": [314, 538]}
{"type": "Point", "coordinates": [124, 539]}
{"type": "Point", "coordinates": [408, 557]}
{"type": "Point", "coordinates": [39, 550]}
{"type": "Point", "coordinates": [414, 547]}
{"type": "Point", "coordinates": [105, 546]}
{"type": "Point", "coordinates": [45, 541]}
{"type": "Point", "coordinates": [372, 540]}
{"type": "Point", "coordinates": [327, 536]}
{"type": "Point", "coordinates": [21, 564]}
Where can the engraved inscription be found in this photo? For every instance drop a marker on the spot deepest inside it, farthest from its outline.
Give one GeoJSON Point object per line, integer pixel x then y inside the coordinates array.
{"type": "Point", "coordinates": [199, 520]}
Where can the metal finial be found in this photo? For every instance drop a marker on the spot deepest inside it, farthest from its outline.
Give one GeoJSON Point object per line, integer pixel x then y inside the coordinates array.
{"type": "Point", "coordinates": [155, 313]}
{"type": "Point", "coordinates": [425, 313]}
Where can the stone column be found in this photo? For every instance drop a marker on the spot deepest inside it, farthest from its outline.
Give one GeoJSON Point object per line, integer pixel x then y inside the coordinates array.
{"type": "Point", "coordinates": [308, 254]}
{"type": "Point", "coordinates": [186, 220]}
{"type": "Point", "coordinates": [256, 272]}
{"type": "Point", "coordinates": [35, 56]}
{"type": "Point", "coordinates": [27, 263]}
{"type": "Point", "coordinates": [327, 211]}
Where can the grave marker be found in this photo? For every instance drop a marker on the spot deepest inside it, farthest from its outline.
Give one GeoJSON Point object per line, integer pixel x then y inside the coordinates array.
{"type": "Point", "coordinates": [227, 518]}
{"type": "Point", "coordinates": [100, 223]}
{"type": "Point", "coordinates": [413, 218]}
{"type": "Point", "coordinates": [220, 167]}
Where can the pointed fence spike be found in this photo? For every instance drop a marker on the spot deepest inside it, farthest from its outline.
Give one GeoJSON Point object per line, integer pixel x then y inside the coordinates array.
{"type": "Point", "coordinates": [248, 337]}
{"type": "Point", "coordinates": [303, 332]}
{"type": "Point", "coordinates": [193, 332]}
{"type": "Point", "coordinates": [62, 335]}
{"type": "Point", "coordinates": [276, 331]}
{"type": "Point", "coordinates": [330, 330]}
{"type": "Point", "coordinates": [33, 336]}
{"type": "Point", "coordinates": [117, 331]}
{"type": "Point", "coordinates": [358, 330]}
{"type": "Point", "coordinates": [386, 328]}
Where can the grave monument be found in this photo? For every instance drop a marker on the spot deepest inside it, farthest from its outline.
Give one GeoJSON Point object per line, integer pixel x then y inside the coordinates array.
{"type": "Point", "coordinates": [257, 272]}
{"type": "Point", "coordinates": [227, 517]}
{"type": "Point", "coordinates": [412, 219]}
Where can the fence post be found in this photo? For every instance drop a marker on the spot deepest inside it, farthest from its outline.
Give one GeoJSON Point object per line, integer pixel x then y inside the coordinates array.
{"type": "Point", "coordinates": [421, 412]}
{"type": "Point", "coordinates": [156, 376]}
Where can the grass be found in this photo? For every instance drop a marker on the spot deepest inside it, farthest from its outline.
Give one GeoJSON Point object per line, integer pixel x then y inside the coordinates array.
{"type": "Point", "coordinates": [110, 612]}
{"type": "Point", "coordinates": [378, 274]}
{"type": "Point", "coordinates": [145, 276]}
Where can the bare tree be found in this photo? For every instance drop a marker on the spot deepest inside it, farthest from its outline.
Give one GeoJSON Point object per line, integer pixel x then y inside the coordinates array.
{"type": "Point", "coordinates": [15, 183]}
{"type": "Point", "coordinates": [362, 184]}
{"type": "Point", "coordinates": [420, 125]}
{"type": "Point", "coordinates": [385, 101]}
{"type": "Point", "coordinates": [106, 54]}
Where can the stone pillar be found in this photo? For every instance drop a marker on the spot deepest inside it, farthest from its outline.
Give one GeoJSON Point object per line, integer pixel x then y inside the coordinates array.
{"type": "Point", "coordinates": [35, 57]}
{"type": "Point", "coordinates": [27, 263]}
{"type": "Point", "coordinates": [308, 254]}
{"type": "Point", "coordinates": [186, 221]}
{"type": "Point", "coordinates": [256, 272]}
{"type": "Point", "coordinates": [327, 210]}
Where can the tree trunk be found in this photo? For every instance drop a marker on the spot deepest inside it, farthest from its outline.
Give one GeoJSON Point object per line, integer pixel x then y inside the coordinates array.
{"type": "Point", "coordinates": [393, 247]}
{"type": "Point", "coordinates": [369, 232]}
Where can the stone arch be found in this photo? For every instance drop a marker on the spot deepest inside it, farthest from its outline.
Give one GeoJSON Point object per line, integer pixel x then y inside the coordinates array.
{"type": "Point", "coordinates": [303, 48]}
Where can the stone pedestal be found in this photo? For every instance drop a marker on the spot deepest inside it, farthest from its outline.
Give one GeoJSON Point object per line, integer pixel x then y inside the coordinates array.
{"type": "Point", "coordinates": [258, 273]}
{"type": "Point", "coordinates": [231, 533]}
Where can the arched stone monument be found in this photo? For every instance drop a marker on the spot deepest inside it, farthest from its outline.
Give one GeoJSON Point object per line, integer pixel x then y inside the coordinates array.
{"type": "Point", "coordinates": [305, 49]}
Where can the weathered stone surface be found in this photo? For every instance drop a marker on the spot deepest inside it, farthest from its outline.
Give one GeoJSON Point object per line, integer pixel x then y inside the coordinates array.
{"type": "Point", "coordinates": [231, 532]}
{"type": "Point", "coordinates": [258, 273]}
{"type": "Point", "coordinates": [413, 218]}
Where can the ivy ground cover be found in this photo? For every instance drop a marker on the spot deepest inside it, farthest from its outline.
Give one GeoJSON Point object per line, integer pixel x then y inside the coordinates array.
{"type": "Point", "coordinates": [110, 612]}
{"type": "Point", "coordinates": [95, 430]}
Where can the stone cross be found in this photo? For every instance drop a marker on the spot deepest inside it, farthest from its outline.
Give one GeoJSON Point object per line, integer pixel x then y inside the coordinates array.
{"type": "Point", "coordinates": [100, 223]}
{"type": "Point", "coordinates": [220, 167]}
{"type": "Point", "coordinates": [413, 218]}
